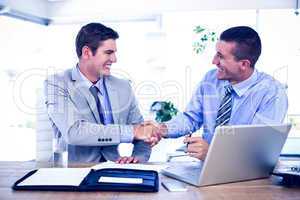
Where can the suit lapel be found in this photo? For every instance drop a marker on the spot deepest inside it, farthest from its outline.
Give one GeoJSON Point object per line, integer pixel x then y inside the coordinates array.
{"type": "Point", "coordinates": [113, 98]}
{"type": "Point", "coordinates": [82, 88]}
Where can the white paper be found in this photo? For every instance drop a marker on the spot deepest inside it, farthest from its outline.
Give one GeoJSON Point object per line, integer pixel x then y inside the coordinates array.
{"type": "Point", "coordinates": [57, 176]}
{"type": "Point", "coordinates": [106, 179]}
{"type": "Point", "coordinates": [109, 164]}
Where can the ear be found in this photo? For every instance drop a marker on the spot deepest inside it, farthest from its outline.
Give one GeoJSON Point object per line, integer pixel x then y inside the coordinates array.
{"type": "Point", "coordinates": [86, 52]}
{"type": "Point", "coordinates": [245, 64]}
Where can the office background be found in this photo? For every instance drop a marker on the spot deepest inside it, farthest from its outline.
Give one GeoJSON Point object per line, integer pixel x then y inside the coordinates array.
{"type": "Point", "coordinates": [155, 51]}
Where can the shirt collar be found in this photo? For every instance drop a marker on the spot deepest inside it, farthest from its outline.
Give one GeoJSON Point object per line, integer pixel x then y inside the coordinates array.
{"type": "Point", "coordinates": [88, 83]}
{"type": "Point", "coordinates": [242, 87]}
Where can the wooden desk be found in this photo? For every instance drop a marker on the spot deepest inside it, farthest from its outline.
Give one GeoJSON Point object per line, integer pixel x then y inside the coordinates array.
{"type": "Point", "coordinates": [257, 189]}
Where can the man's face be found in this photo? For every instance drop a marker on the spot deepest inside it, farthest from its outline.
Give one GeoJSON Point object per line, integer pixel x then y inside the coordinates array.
{"type": "Point", "coordinates": [105, 56]}
{"type": "Point", "coordinates": [228, 68]}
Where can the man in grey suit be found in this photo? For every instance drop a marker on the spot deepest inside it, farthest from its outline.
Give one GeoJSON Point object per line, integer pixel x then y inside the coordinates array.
{"type": "Point", "coordinates": [91, 110]}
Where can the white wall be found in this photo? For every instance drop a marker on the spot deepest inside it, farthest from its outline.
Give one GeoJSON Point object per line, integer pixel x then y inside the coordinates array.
{"type": "Point", "coordinates": [74, 11]}
{"type": "Point", "coordinates": [61, 8]}
{"type": "Point", "coordinates": [115, 9]}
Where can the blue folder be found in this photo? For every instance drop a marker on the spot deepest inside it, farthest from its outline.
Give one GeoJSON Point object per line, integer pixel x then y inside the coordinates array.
{"type": "Point", "coordinates": [150, 182]}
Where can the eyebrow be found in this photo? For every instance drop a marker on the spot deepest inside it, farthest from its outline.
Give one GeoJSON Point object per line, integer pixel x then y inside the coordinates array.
{"type": "Point", "coordinates": [219, 54]}
{"type": "Point", "coordinates": [109, 51]}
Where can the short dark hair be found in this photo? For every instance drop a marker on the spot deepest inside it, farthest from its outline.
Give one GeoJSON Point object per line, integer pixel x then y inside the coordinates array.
{"type": "Point", "coordinates": [92, 35]}
{"type": "Point", "coordinates": [248, 43]}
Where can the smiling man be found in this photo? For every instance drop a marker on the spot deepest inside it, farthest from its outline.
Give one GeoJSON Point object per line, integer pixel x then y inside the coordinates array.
{"type": "Point", "coordinates": [93, 111]}
{"type": "Point", "coordinates": [234, 93]}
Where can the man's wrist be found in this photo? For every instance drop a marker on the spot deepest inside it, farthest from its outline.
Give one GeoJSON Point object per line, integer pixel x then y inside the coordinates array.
{"type": "Point", "coordinates": [135, 130]}
{"type": "Point", "coordinates": [126, 133]}
{"type": "Point", "coordinates": [163, 130]}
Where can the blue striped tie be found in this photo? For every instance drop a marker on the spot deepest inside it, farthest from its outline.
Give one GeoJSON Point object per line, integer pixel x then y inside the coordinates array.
{"type": "Point", "coordinates": [224, 110]}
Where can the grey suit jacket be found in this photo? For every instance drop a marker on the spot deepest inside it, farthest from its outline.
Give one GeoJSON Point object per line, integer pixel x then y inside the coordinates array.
{"type": "Point", "coordinates": [75, 120]}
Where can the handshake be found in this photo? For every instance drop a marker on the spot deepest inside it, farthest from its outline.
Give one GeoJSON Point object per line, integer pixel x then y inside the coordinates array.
{"type": "Point", "coordinates": [150, 132]}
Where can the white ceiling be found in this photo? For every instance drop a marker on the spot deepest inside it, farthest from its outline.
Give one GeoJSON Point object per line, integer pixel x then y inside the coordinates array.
{"type": "Point", "coordinates": [73, 11]}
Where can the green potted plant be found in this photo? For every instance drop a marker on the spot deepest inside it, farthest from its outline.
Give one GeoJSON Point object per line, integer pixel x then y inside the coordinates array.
{"type": "Point", "coordinates": [163, 110]}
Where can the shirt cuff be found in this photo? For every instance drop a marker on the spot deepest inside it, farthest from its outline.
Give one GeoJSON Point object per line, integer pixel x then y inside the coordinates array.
{"type": "Point", "coordinates": [174, 131]}
{"type": "Point", "coordinates": [126, 134]}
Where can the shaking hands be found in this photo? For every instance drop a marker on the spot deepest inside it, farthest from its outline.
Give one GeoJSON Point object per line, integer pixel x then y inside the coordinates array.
{"type": "Point", "coordinates": [150, 132]}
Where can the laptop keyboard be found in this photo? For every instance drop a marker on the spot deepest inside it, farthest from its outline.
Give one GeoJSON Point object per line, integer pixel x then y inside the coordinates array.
{"type": "Point", "coordinates": [190, 169]}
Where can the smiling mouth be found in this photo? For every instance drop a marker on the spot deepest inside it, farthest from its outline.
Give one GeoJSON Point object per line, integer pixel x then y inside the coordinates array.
{"type": "Point", "coordinates": [106, 66]}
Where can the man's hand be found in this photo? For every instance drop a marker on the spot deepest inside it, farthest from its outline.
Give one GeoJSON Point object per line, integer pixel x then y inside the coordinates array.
{"type": "Point", "coordinates": [197, 147]}
{"type": "Point", "coordinates": [150, 132]}
{"type": "Point", "coordinates": [144, 132]}
{"type": "Point", "coordinates": [125, 160]}
{"type": "Point", "coordinates": [160, 128]}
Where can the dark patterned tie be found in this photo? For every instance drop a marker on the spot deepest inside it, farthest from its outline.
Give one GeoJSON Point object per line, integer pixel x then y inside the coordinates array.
{"type": "Point", "coordinates": [94, 90]}
{"type": "Point", "coordinates": [224, 110]}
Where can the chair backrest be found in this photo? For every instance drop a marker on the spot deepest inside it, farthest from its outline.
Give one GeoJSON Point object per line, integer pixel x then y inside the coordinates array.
{"type": "Point", "coordinates": [44, 131]}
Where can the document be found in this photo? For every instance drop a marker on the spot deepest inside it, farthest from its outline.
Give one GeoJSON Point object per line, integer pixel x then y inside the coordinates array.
{"type": "Point", "coordinates": [56, 176]}
{"type": "Point", "coordinates": [109, 164]}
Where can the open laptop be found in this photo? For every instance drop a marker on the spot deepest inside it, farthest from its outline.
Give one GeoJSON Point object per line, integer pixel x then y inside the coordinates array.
{"type": "Point", "coordinates": [236, 153]}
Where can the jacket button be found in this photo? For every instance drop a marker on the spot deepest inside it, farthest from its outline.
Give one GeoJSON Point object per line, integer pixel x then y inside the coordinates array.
{"type": "Point", "coordinates": [110, 139]}
{"type": "Point", "coordinates": [99, 139]}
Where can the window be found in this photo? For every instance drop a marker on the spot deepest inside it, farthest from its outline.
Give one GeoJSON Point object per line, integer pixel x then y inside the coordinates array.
{"type": "Point", "coordinates": [23, 57]}
{"type": "Point", "coordinates": [157, 56]}
{"type": "Point", "coordinates": [281, 55]}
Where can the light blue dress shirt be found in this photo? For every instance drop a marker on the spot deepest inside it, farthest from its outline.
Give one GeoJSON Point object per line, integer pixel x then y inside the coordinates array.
{"type": "Point", "coordinates": [127, 133]}
{"type": "Point", "coordinates": [258, 100]}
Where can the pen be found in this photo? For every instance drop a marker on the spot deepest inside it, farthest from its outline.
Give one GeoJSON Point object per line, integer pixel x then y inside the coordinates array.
{"type": "Point", "coordinates": [189, 135]}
